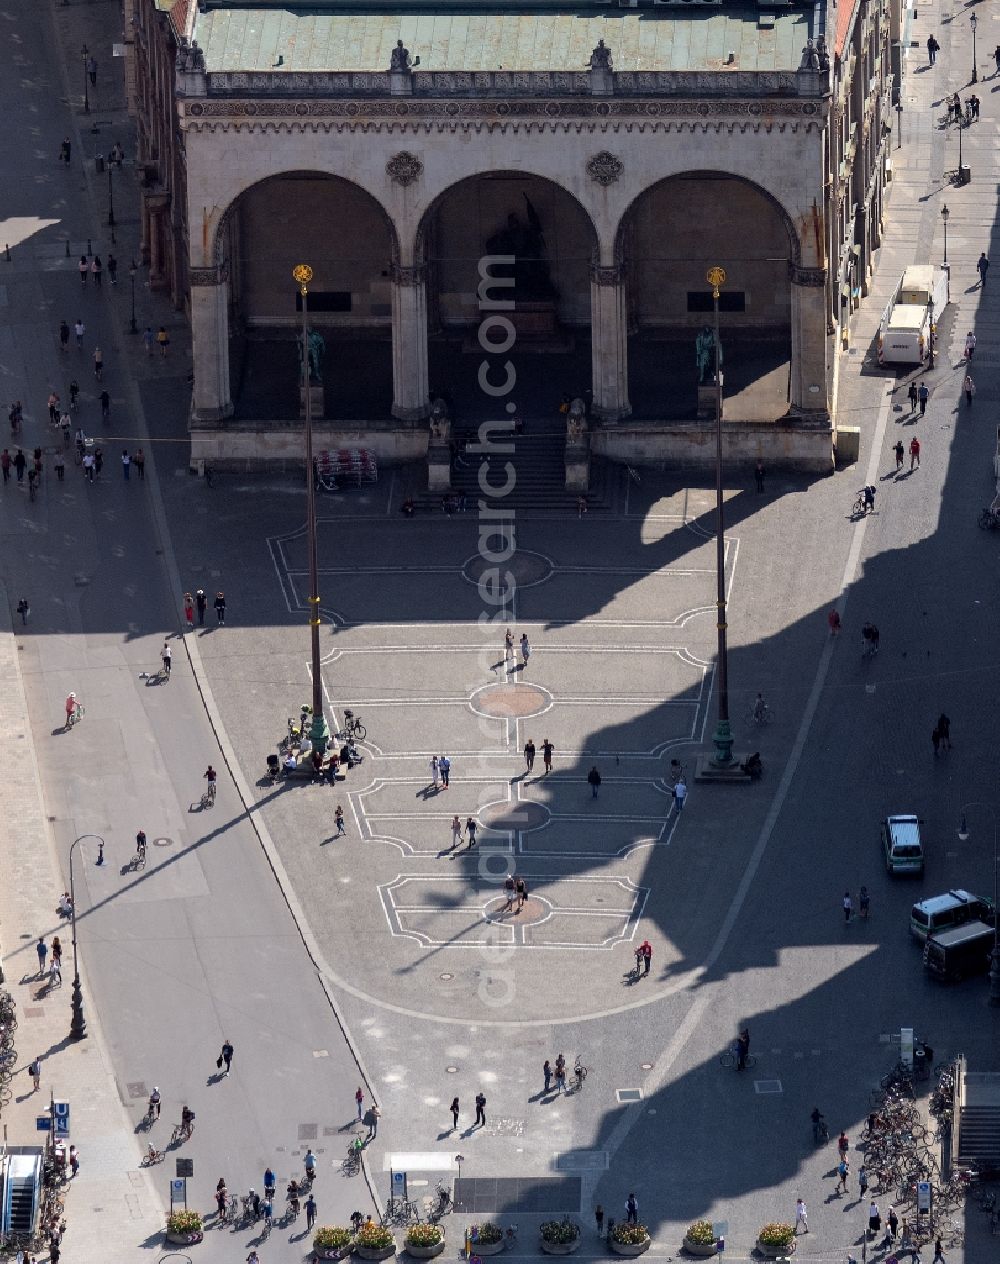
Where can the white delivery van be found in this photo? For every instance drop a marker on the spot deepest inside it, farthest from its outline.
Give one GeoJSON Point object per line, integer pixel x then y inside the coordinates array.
{"type": "Point", "coordinates": [904, 335]}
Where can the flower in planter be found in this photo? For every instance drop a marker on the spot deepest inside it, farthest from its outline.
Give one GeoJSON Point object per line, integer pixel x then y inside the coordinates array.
{"type": "Point", "coordinates": [701, 1233]}
{"type": "Point", "coordinates": [331, 1237]}
{"type": "Point", "coordinates": [488, 1233]}
{"type": "Point", "coordinates": [629, 1234]}
{"type": "Point", "coordinates": [562, 1231]}
{"type": "Point", "coordinates": [776, 1234]}
{"type": "Point", "coordinates": [181, 1222]}
{"type": "Point", "coordinates": [424, 1234]}
{"type": "Point", "coordinates": [377, 1237]}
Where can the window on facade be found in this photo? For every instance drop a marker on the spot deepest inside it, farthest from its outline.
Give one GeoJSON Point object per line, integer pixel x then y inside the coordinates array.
{"type": "Point", "coordinates": [701, 301]}
{"type": "Point", "coordinates": [326, 301]}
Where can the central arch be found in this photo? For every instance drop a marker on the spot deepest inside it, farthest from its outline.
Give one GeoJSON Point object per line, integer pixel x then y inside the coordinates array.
{"type": "Point", "coordinates": [554, 240]}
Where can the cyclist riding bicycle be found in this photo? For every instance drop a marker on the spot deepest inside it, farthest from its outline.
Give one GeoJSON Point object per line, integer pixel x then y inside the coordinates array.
{"type": "Point", "coordinates": [210, 776]}
{"type": "Point", "coordinates": [292, 1194]}
{"type": "Point", "coordinates": [71, 707]}
{"type": "Point", "coordinates": [140, 845]}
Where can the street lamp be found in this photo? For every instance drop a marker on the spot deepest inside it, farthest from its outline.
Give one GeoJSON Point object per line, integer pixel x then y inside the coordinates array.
{"type": "Point", "coordinates": [132, 269]}
{"type": "Point", "coordinates": [111, 199]}
{"type": "Point", "coordinates": [899, 125]}
{"type": "Point", "coordinates": [78, 1025]}
{"type": "Point", "coordinates": [975, 72]}
{"type": "Point", "coordinates": [963, 834]}
{"type": "Point", "coordinates": [318, 731]}
{"type": "Point", "coordinates": [723, 736]}
{"type": "Point", "coordinates": [930, 333]}
{"type": "Point", "coordinates": [944, 219]}
{"type": "Point", "coordinates": [85, 53]}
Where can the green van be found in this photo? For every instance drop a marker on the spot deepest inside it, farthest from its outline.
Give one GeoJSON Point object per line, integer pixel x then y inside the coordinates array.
{"type": "Point", "coordinates": [942, 912]}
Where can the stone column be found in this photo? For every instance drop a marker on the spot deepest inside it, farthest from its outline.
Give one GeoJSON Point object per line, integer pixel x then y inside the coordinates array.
{"type": "Point", "coordinates": [809, 377]}
{"type": "Point", "coordinates": [210, 342]}
{"type": "Point", "coordinates": [410, 390]}
{"type": "Point", "coordinates": [609, 342]}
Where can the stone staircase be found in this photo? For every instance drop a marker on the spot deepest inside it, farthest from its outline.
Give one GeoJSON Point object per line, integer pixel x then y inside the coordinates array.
{"type": "Point", "coordinates": [539, 476]}
{"type": "Point", "coordinates": [979, 1122]}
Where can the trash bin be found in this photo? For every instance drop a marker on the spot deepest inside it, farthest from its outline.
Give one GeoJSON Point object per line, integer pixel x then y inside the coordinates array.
{"type": "Point", "coordinates": [921, 1070]}
{"type": "Point", "coordinates": [964, 174]}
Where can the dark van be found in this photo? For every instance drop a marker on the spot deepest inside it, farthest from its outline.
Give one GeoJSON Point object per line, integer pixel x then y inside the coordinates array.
{"type": "Point", "coordinates": [959, 953]}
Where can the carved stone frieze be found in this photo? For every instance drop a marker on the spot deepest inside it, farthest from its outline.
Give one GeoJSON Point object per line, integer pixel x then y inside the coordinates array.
{"type": "Point", "coordinates": [605, 167]}
{"type": "Point", "coordinates": [812, 277]}
{"type": "Point", "coordinates": [404, 168]}
{"type": "Point", "coordinates": [414, 275]}
{"type": "Point", "coordinates": [209, 276]}
{"type": "Point", "coordinates": [607, 274]}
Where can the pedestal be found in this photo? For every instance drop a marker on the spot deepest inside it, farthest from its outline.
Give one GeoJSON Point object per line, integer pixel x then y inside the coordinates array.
{"type": "Point", "coordinates": [706, 402]}
{"type": "Point", "coordinates": [316, 402]}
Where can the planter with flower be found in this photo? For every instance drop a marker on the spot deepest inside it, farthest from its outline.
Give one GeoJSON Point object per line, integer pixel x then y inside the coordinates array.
{"type": "Point", "coordinates": [486, 1238]}
{"type": "Point", "coordinates": [332, 1242]}
{"type": "Point", "coordinates": [374, 1242]}
{"type": "Point", "coordinates": [628, 1239]}
{"type": "Point", "coordinates": [184, 1228]}
{"type": "Point", "coordinates": [776, 1238]}
{"type": "Point", "coordinates": [559, 1237]}
{"type": "Point", "coordinates": [424, 1241]}
{"type": "Point", "coordinates": [700, 1239]}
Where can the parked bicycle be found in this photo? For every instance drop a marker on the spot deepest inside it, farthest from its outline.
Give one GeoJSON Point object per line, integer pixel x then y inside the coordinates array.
{"type": "Point", "coordinates": [353, 728]}
{"type": "Point", "coordinates": [731, 1057]}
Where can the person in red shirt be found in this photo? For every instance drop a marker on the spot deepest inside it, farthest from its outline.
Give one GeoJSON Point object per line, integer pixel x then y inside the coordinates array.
{"type": "Point", "coordinates": [644, 956]}
{"type": "Point", "coordinates": [914, 453]}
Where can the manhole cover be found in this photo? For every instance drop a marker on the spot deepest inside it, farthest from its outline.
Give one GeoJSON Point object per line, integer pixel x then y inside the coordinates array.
{"type": "Point", "coordinates": [452, 1070]}
{"type": "Point", "coordinates": [510, 701]}
{"type": "Point", "coordinates": [162, 842]}
{"type": "Point", "coordinates": [446, 976]}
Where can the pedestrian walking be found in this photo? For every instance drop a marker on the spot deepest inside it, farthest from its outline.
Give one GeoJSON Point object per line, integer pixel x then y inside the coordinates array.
{"type": "Point", "coordinates": [801, 1216]}
{"type": "Point", "coordinates": [113, 269]}
{"type": "Point", "coordinates": [435, 772]}
{"type": "Point", "coordinates": [911, 395]}
{"type": "Point", "coordinates": [35, 1071]}
{"type": "Point", "coordinates": [57, 952]}
{"type": "Point", "coordinates": [974, 102]}
{"type": "Point", "coordinates": [5, 464]}
{"type": "Point", "coordinates": [529, 754]}
{"type": "Point", "coordinates": [598, 1216]}
{"type": "Point", "coordinates": [83, 267]}
{"type": "Point", "coordinates": [521, 891]}
{"type": "Point", "coordinates": [680, 794]}
{"type": "Point", "coordinates": [982, 267]}
{"type": "Point", "coordinates": [43, 951]}
{"type": "Point", "coordinates": [55, 974]}
{"type": "Point", "coordinates": [372, 1115]}
{"type": "Point", "coordinates": [92, 71]}
{"type": "Point", "coordinates": [444, 766]}
{"type": "Point", "coordinates": [862, 1183]}
{"type": "Point", "coordinates": [848, 906]}
{"type": "Point", "coordinates": [63, 336]}
{"type": "Point", "coordinates": [508, 649]}
{"type": "Point", "coordinates": [938, 1253]}
{"type": "Point", "coordinates": [338, 820]}
{"type": "Point", "coordinates": [126, 464]}
{"type": "Point", "coordinates": [758, 474]}
{"type": "Point", "coordinates": [892, 1223]}
{"type": "Point", "coordinates": [220, 606]}
{"type": "Point", "coordinates": [480, 1109]}
{"type": "Point", "coordinates": [225, 1057]}
{"type": "Point", "coordinates": [148, 339]}
{"type": "Point", "coordinates": [359, 1097]}
{"type": "Point", "coordinates": [309, 1164]}
{"type": "Point", "coordinates": [547, 1074]}
{"type": "Point", "coordinates": [456, 831]}
{"type": "Point", "coordinates": [936, 739]}
{"type": "Point", "coordinates": [547, 749]}
{"type": "Point", "coordinates": [864, 903]}
{"type": "Point", "coordinates": [632, 1209]}
{"type": "Point", "coordinates": [97, 269]}
{"type": "Point", "coordinates": [163, 341]}
{"type": "Point", "coordinates": [201, 601]}
{"type": "Point", "coordinates": [74, 1160]}
{"type": "Point", "coordinates": [508, 886]}
{"type": "Point", "coordinates": [20, 461]}
{"type": "Point", "coordinates": [843, 1171]}
{"type": "Point", "coordinates": [454, 1113]}
{"type": "Point", "coordinates": [98, 461]}
{"type": "Point", "coordinates": [65, 149]}
{"type": "Point", "coordinates": [970, 345]}
{"type": "Point", "coordinates": [874, 1218]}
{"type": "Point", "coordinates": [914, 453]}
{"type": "Point", "coordinates": [59, 463]}
{"type": "Point", "coordinates": [471, 825]}
{"type": "Point", "coordinates": [923, 394]}
{"type": "Point", "coordinates": [525, 651]}
{"type": "Point", "coordinates": [594, 780]}
{"type": "Point", "coordinates": [23, 609]}
{"type": "Point", "coordinates": [53, 406]}
{"type": "Point", "coordinates": [970, 389]}
{"type": "Point", "coordinates": [932, 49]}
{"type": "Point", "coordinates": [944, 729]}
{"type": "Point", "coordinates": [310, 1211]}
{"type": "Point", "coordinates": [98, 363]}
{"type": "Point", "coordinates": [898, 449]}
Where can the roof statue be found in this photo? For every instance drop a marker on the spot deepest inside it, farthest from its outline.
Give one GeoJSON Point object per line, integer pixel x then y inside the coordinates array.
{"type": "Point", "coordinates": [810, 57]}
{"type": "Point", "coordinates": [600, 58]}
{"type": "Point", "coordinates": [400, 61]}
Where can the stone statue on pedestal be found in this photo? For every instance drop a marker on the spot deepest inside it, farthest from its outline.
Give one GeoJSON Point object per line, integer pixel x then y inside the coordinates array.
{"type": "Point", "coordinates": [600, 58]}
{"type": "Point", "coordinates": [400, 61]}
{"type": "Point", "coordinates": [705, 354]}
{"type": "Point", "coordinates": [317, 353]}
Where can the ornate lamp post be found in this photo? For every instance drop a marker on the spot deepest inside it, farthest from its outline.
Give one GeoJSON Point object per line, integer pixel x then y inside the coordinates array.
{"type": "Point", "coordinates": [318, 732]}
{"type": "Point", "coordinates": [723, 736]}
{"type": "Point", "coordinates": [963, 834]}
{"type": "Point", "coordinates": [132, 270]}
{"type": "Point", "coordinates": [975, 72]}
{"type": "Point", "coordinates": [930, 334]}
{"type": "Point", "coordinates": [85, 53]}
{"type": "Point", "coordinates": [78, 1025]}
{"type": "Point", "coordinates": [111, 199]}
{"type": "Point", "coordinates": [944, 219]}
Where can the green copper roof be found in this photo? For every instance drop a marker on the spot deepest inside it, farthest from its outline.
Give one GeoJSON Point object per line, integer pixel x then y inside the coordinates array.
{"type": "Point", "coordinates": [247, 37]}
